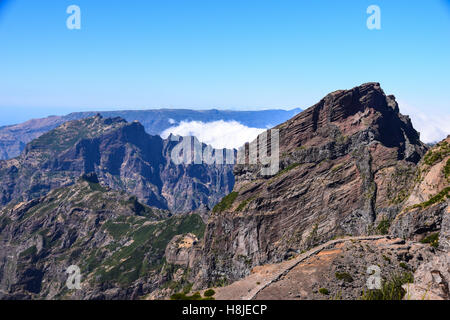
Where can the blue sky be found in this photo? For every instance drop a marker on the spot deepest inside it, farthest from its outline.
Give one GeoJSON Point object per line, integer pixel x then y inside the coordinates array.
{"type": "Point", "coordinates": [218, 54]}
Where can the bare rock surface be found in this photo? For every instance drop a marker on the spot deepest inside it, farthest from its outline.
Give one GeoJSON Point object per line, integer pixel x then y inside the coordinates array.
{"type": "Point", "coordinates": [117, 243]}
{"type": "Point", "coordinates": [339, 266]}
{"type": "Point", "coordinates": [123, 156]}
{"type": "Point", "coordinates": [183, 250]}
{"type": "Point", "coordinates": [431, 280]}
{"type": "Point", "coordinates": [345, 165]}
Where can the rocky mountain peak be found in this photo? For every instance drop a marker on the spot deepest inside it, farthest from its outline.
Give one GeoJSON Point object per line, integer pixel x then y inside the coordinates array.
{"type": "Point", "coordinates": [71, 132]}
{"type": "Point", "coordinates": [345, 164]}
{"type": "Point", "coordinates": [364, 112]}
{"type": "Point", "coordinates": [122, 156]}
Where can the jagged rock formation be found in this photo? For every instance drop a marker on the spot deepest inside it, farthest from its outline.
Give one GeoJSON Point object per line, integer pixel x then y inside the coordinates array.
{"type": "Point", "coordinates": [426, 208]}
{"type": "Point", "coordinates": [350, 166]}
{"type": "Point", "coordinates": [431, 280]}
{"type": "Point", "coordinates": [14, 138]}
{"type": "Point", "coordinates": [182, 250]}
{"type": "Point", "coordinates": [425, 217]}
{"type": "Point", "coordinates": [124, 157]}
{"type": "Point", "coordinates": [117, 242]}
{"type": "Point", "coordinates": [345, 163]}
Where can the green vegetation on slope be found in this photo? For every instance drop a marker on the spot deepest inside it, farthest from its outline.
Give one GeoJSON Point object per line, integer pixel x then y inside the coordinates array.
{"type": "Point", "coordinates": [441, 196]}
{"type": "Point", "coordinates": [114, 239]}
{"type": "Point", "coordinates": [287, 169]}
{"type": "Point", "coordinates": [437, 154]}
{"type": "Point", "coordinates": [226, 202]}
{"type": "Point", "coordinates": [432, 239]}
{"type": "Point", "coordinates": [345, 276]}
{"type": "Point", "coordinates": [195, 296]}
{"type": "Point", "coordinates": [447, 170]}
{"type": "Point", "coordinates": [145, 250]}
{"type": "Point", "coordinates": [244, 204]}
{"type": "Point", "coordinates": [68, 134]}
{"type": "Point", "coordinates": [390, 289]}
{"type": "Point", "coordinates": [383, 226]}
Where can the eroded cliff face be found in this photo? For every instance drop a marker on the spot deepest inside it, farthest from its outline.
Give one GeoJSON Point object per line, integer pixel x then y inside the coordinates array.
{"type": "Point", "coordinates": [117, 243]}
{"type": "Point", "coordinates": [345, 164]}
{"type": "Point", "coordinates": [123, 156]}
{"type": "Point", "coordinates": [183, 250]}
{"type": "Point", "coordinates": [426, 211]}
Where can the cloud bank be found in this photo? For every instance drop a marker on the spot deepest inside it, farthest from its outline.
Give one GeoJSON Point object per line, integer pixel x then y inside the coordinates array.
{"type": "Point", "coordinates": [432, 127]}
{"type": "Point", "coordinates": [219, 134]}
{"type": "Point", "coordinates": [232, 134]}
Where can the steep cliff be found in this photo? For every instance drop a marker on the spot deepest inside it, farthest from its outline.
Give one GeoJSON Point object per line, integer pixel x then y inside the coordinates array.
{"type": "Point", "coordinates": [345, 165]}
{"type": "Point", "coordinates": [426, 209]}
{"type": "Point", "coordinates": [117, 243]}
{"type": "Point", "coordinates": [124, 157]}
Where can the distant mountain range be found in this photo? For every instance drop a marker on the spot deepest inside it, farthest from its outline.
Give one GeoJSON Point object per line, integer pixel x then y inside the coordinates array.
{"type": "Point", "coordinates": [356, 190]}
{"type": "Point", "coordinates": [124, 157]}
{"type": "Point", "coordinates": [13, 138]}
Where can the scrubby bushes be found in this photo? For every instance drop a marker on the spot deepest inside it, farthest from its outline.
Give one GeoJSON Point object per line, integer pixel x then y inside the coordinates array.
{"type": "Point", "coordinates": [209, 293]}
{"type": "Point", "coordinates": [432, 239]}
{"type": "Point", "coordinates": [324, 291]}
{"type": "Point", "coordinates": [226, 202]}
{"type": "Point", "coordinates": [344, 276]}
{"type": "Point", "coordinates": [391, 289]}
{"type": "Point", "coordinates": [195, 296]}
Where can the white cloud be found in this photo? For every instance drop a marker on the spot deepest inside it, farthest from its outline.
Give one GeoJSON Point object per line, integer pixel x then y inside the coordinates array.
{"type": "Point", "coordinates": [433, 127]}
{"type": "Point", "coordinates": [219, 134]}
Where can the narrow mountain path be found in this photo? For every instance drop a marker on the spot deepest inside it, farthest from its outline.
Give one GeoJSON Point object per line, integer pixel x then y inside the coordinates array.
{"type": "Point", "coordinates": [249, 287]}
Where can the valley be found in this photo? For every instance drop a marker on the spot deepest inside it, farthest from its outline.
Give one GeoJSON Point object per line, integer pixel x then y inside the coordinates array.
{"type": "Point", "coordinates": [356, 190]}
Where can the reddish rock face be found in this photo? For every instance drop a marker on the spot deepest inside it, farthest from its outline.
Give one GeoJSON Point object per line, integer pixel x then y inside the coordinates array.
{"type": "Point", "coordinates": [349, 112]}
{"type": "Point", "coordinates": [344, 163]}
{"type": "Point", "coordinates": [339, 266]}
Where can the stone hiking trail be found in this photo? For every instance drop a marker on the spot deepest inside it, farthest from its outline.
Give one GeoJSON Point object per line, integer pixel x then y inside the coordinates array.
{"type": "Point", "coordinates": [284, 268]}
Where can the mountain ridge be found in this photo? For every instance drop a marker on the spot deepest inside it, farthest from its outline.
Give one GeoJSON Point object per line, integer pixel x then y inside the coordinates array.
{"type": "Point", "coordinates": [124, 157]}
{"type": "Point", "coordinates": [350, 166]}
{"type": "Point", "coordinates": [13, 138]}
{"type": "Point", "coordinates": [340, 175]}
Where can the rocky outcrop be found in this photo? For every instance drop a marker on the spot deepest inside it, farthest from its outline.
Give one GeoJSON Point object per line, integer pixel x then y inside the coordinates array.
{"type": "Point", "coordinates": [117, 243]}
{"type": "Point", "coordinates": [426, 210]}
{"type": "Point", "coordinates": [418, 223]}
{"type": "Point", "coordinates": [123, 156]}
{"type": "Point", "coordinates": [425, 217]}
{"type": "Point", "coordinates": [344, 165]}
{"type": "Point", "coordinates": [431, 280]}
{"type": "Point", "coordinates": [444, 235]}
{"type": "Point", "coordinates": [183, 250]}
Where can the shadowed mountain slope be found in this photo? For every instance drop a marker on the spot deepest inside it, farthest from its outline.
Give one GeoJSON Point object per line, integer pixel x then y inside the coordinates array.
{"type": "Point", "coordinates": [117, 243]}
{"type": "Point", "coordinates": [345, 163]}
{"type": "Point", "coordinates": [14, 138]}
{"type": "Point", "coordinates": [124, 157]}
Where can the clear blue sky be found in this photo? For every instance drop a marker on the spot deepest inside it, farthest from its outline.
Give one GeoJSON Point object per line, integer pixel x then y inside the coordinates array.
{"type": "Point", "coordinates": [217, 53]}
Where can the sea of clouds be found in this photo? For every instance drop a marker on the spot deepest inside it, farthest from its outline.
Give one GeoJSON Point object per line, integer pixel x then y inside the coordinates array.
{"type": "Point", "coordinates": [433, 127]}
{"type": "Point", "coordinates": [219, 134]}
{"type": "Point", "coordinates": [233, 134]}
